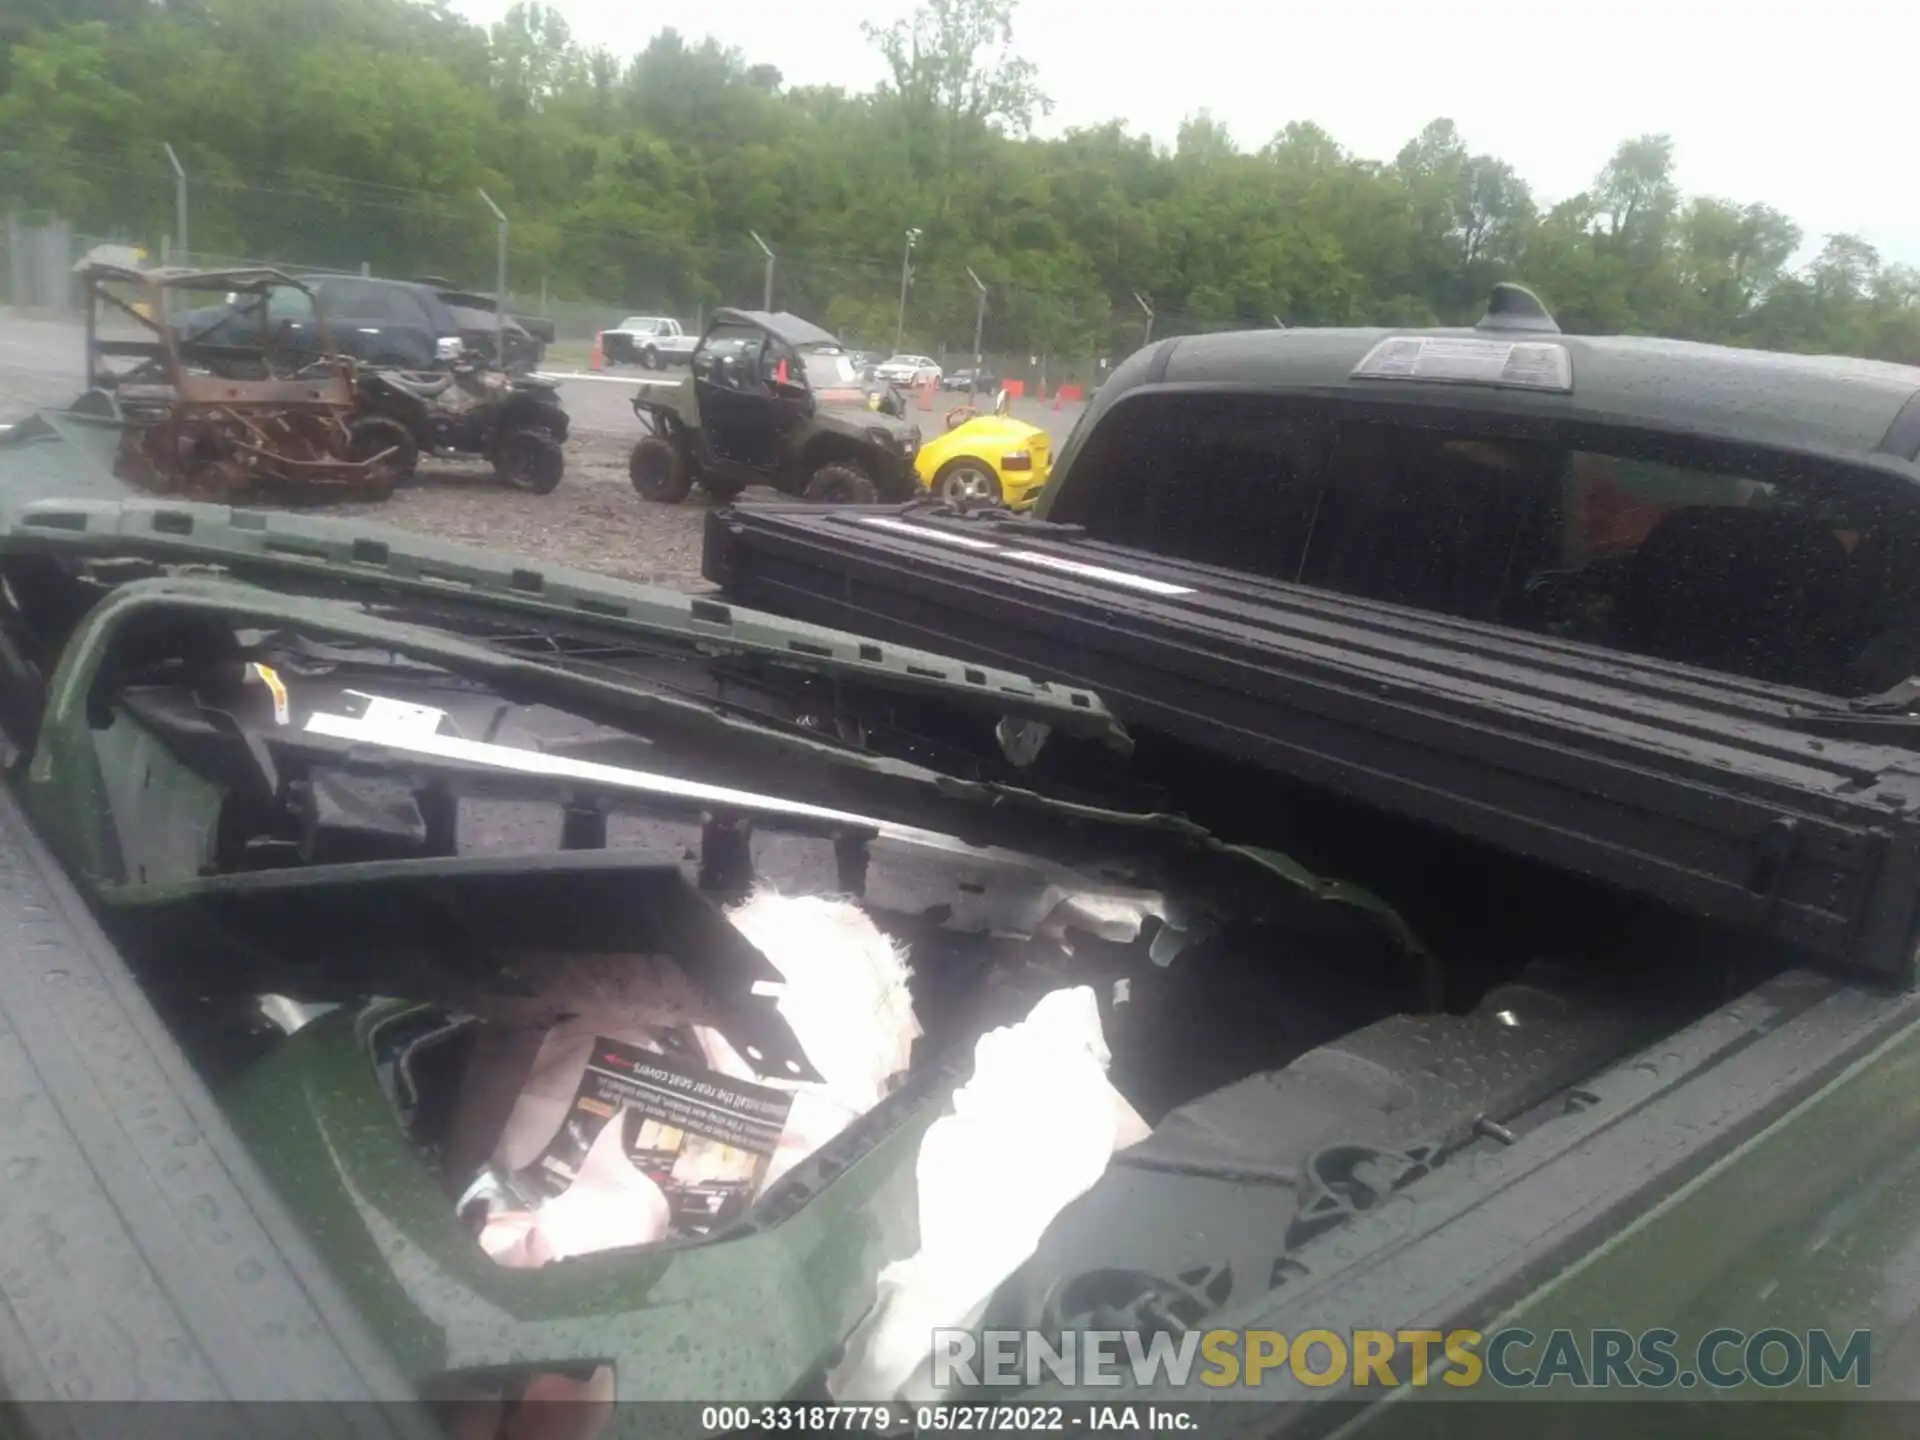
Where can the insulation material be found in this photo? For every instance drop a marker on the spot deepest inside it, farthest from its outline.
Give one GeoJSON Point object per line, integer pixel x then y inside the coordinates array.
{"type": "Point", "coordinates": [1030, 1133]}
{"type": "Point", "coordinates": [609, 1205]}
{"type": "Point", "coordinates": [846, 997]}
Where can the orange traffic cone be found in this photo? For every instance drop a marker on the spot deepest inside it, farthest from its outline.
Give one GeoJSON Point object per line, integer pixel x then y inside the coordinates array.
{"type": "Point", "coordinates": [926, 394]}
{"type": "Point", "coordinates": [599, 360]}
{"type": "Point", "coordinates": [1056, 397]}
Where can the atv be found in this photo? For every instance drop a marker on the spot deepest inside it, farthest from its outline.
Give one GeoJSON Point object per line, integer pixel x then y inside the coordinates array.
{"type": "Point", "coordinates": [771, 400]}
{"type": "Point", "coordinates": [515, 421]}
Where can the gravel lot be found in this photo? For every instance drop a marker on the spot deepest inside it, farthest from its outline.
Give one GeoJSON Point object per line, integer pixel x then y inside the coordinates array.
{"type": "Point", "coordinates": [593, 521]}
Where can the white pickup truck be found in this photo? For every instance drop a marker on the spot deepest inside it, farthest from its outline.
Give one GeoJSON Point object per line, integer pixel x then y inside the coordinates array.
{"type": "Point", "coordinates": [648, 340]}
{"type": "Point", "coordinates": [652, 341]}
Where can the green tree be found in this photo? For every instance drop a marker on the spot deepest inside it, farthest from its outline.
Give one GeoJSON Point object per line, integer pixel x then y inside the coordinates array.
{"type": "Point", "coordinates": [534, 58]}
{"type": "Point", "coordinates": [338, 132]}
{"type": "Point", "coordinates": [954, 85]}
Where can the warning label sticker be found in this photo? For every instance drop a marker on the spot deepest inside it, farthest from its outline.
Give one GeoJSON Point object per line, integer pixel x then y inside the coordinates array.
{"type": "Point", "coordinates": [704, 1138]}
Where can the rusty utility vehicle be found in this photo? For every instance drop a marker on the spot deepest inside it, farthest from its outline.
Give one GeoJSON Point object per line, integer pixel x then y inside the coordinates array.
{"type": "Point", "coordinates": [219, 419]}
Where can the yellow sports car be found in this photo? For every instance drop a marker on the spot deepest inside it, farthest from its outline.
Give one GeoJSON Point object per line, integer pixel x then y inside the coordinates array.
{"type": "Point", "coordinates": [987, 459]}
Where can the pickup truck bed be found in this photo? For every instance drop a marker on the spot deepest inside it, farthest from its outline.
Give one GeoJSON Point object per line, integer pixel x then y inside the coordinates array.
{"type": "Point", "coordinates": [1719, 796]}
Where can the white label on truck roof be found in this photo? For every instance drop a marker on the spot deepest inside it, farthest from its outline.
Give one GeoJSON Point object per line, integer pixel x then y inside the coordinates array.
{"type": "Point", "coordinates": [1463, 360]}
{"type": "Point", "coordinates": [924, 532]}
{"type": "Point", "coordinates": [1032, 557]}
{"type": "Point", "coordinates": [1100, 572]}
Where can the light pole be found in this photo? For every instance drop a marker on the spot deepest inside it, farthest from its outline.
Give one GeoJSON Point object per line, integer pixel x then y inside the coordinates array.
{"type": "Point", "coordinates": [179, 204]}
{"type": "Point", "coordinates": [766, 301]}
{"type": "Point", "coordinates": [906, 272]}
{"type": "Point", "coordinates": [979, 327]}
{"type": "Point", "coordinates": [1146, 305]}
{"type": "Point", "coordinates": [499, 286]}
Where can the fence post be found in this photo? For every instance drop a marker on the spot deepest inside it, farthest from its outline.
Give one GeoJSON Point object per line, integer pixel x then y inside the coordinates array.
{"type": "Point", "coordinates": [16, 262]}
{"type": "Point", "coordinates": [499, 283]}
{"type": "Point", "coordinates": [56, 266]}
{"type": "Point", "coordinates": [179, 199]}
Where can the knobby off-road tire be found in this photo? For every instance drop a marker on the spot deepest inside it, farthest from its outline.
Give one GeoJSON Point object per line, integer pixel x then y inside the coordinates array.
{"type": "Point", "coordinates": [659, 471]}
{"type": "Point", "coordinates": [371, 434]}
{"type": "Point", "coordinates": [837, 484]}
{"type": "Point", "coordinates": [530, 460]}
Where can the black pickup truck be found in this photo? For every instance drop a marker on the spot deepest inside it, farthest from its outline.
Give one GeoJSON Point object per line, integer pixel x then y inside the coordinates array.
{"type": "Point", "coordinates": [1587, 652]}
{"type": "Point", "coordinates": [1630, 609]}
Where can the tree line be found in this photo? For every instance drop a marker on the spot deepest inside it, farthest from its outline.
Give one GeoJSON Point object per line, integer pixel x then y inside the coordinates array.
{"type": "Point", "coordinates": [342, 132]}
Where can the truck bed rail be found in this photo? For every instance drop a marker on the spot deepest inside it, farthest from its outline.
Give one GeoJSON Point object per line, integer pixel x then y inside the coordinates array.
{"type": "Point", "coordinates": [1704, 791]}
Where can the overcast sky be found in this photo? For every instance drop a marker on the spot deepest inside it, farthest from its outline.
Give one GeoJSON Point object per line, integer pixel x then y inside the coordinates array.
{"type": "Point", "coordinates": [1811, 108]}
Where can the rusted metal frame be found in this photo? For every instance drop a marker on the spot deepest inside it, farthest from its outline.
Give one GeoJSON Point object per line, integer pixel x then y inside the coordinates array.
{"type": "Point", "coordinates": [286, 394]}
{"type": "Point", "coordinates": [194, 410]}
{"type": "Point", "coordinates": [97, 293]}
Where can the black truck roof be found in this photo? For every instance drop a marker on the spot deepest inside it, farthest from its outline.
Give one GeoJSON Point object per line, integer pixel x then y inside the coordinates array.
{"type": "Point", "coordinates": [1863, 411]}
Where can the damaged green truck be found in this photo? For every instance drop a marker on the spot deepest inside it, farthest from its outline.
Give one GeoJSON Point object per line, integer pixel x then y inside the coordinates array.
{"type": "Point", "coordinates": [303, 817]}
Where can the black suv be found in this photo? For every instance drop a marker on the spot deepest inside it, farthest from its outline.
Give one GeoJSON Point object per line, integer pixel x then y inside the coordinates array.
{"type": "Point", "coordinates": [404, 324]}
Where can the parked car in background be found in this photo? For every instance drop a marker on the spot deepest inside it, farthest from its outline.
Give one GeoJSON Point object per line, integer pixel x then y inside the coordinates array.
{"type": "Point", "coordinates": [650, 341]}
{"type": "Point", "coordinates": [983, 382]}
{"type": "Point", "coordinates": [380, 322]}
{"type": "Point", "coordinates": [989, 460]}
{"type": "Point", "coordinates": [524, 350]}
{"type": "Point", "coordinates": [401, 324]}
{"type": "Point", "coordinates": [908, 370]}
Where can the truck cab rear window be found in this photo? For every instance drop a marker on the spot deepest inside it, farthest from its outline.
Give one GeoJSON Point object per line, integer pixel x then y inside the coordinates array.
{"type": "Point", "coordinates": [1758, 570]}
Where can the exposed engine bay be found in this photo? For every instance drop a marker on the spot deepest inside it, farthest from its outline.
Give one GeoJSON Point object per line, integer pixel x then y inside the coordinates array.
{"type": "Point", "coordinates": [378, 864]}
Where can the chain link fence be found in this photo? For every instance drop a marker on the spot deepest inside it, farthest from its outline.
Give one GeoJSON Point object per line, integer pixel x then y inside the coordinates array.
{"type": "Point", "coordinates": [322, 223]}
